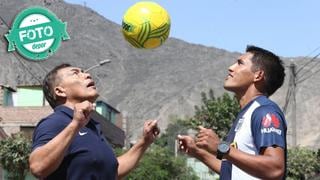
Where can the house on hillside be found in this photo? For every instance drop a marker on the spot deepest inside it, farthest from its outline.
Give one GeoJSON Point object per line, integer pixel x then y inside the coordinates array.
{"type": "Point", "coordinates": [21, 108]}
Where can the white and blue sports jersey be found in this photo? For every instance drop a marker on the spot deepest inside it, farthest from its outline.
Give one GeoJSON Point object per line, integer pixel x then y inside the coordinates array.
{"type": "Point", "coordinates": [259, 124]}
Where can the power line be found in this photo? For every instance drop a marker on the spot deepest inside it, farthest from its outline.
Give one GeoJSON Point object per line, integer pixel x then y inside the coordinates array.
{"type": "Point", "coordinates": [4, 22]}
{"type": "Point", "coordinates": [290, 98]}
{"type": "Point", "coordinates": [17, 57]}
{"type": "Point", "coordinates": [309, 70]}
{"type": "Point", "coordinates": [300, 81]}
{"type": "Point", "coordinates": [303, 66]}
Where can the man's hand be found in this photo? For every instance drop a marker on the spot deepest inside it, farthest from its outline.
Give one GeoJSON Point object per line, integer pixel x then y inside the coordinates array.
{"type": "Point", "coordinates": [207, 139]}
{"type": "Point", "coordinates": [81, 113]}
{"type": "Point", "coordinates": [187, 145]}
{"type": "Point", "coordinates": [150, 131]}
{"type": "Point", "coordinates": [129, 160]}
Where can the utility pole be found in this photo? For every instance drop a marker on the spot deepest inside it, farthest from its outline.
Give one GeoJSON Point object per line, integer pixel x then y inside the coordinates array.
{"type": "Point", "coordinates": [292, 84]}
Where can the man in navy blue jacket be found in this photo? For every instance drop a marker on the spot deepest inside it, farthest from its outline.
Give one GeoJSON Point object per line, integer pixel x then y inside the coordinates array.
{"type": "Point", "coordinates": [68, 144]}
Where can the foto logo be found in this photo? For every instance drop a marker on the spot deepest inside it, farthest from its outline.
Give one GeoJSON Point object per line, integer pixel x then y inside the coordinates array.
{"type": "Point", "coordinates": [36, 33]}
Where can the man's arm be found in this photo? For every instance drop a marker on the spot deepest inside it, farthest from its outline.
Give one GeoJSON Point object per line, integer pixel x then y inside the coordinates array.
{"type": "Point", "coordinates": [130, 159]}
{"type": "Point", "coordinates": [46, 159]}
{"type": "Point", "coordinates": [270, 164]}
{"type": "Point", "coordinates": [188, 146]}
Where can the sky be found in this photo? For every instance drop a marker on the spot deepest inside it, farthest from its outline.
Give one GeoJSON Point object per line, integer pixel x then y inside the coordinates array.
{"type": "Point", "coordinates": [288, 28]}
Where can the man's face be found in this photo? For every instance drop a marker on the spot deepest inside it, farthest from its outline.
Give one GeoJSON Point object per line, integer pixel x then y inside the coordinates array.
{"type": "Point", "coordinates": [76, 85]}
{"type": "Point", "coordinates": [240, 75]}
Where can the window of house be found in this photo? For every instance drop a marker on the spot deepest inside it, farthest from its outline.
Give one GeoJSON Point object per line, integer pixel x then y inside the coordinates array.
{"type": "Point", "coordinates": [8, 97]}
{"type": "Point", "coordinates": [30, 96]}
{"type": "Point", "coordinates": [106, 111]}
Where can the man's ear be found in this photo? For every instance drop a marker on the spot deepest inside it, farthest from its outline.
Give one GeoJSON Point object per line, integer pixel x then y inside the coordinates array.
{"type": "Point", "coordinates": [60, 91]}
{"type": "Point", "coordinates": [258, 75]}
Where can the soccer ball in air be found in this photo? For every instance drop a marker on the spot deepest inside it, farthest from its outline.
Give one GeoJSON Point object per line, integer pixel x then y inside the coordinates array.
{"type": "Point", "coordinates": [146, 25]}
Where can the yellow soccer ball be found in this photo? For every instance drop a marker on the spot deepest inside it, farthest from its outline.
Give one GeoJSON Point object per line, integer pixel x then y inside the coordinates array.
{"type": "Point", "coordinates": [146, 25]}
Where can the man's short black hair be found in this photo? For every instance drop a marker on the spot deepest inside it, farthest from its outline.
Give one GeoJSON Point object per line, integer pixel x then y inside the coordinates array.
{"type": "Point", "coordinates": [49, 83]}
{"type": "Point", "coordinates": [272, 66]}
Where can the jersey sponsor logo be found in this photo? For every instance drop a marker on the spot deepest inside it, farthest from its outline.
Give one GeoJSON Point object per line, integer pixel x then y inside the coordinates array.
{"type": "Point", "coordinates": [270, 124]}
{"type": "Point", "coordinates": [270, 120]}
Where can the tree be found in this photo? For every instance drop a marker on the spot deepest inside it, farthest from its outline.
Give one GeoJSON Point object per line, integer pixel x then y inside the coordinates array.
{"type": "Point", "coordinates": [14, 154]}
{"type": "Point", "coordinates": [160, 162]}
{"type": "Point", "coordinates": [175, 127]}
{"type": "Point", "coordinates": [303, 163]}
{"type": "Point", "coordinates": [216, 113]}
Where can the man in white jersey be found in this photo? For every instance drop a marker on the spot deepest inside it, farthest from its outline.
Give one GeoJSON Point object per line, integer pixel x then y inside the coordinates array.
{"type": "Point", "coordinates": [255, 147]}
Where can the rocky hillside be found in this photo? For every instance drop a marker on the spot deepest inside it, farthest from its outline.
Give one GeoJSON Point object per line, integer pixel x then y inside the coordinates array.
{"type": "Point", "coordinates": [144, 84]}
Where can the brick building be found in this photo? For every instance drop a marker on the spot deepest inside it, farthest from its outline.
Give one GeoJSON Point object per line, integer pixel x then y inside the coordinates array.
{"type": "Point", "coordinates": [21, 108]}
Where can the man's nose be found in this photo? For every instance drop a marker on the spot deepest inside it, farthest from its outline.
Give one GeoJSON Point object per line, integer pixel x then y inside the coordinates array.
{"type": "Point", "coordinates": [87, 75]}
{"type": "Point", "coordinates": [231, 68]}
